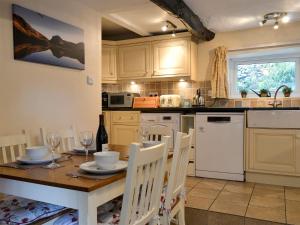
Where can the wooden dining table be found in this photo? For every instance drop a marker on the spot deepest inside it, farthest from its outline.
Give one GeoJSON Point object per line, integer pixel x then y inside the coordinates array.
{"type": "Point", "coordinates": [55, 187]}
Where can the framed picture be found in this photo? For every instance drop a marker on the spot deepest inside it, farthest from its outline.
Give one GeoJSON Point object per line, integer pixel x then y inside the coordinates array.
{"type": "Point", "coordinates": [42, 39]}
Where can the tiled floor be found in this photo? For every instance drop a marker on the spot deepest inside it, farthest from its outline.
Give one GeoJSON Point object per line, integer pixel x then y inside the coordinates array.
{"type": "Point", "coordinates": [245, 200]}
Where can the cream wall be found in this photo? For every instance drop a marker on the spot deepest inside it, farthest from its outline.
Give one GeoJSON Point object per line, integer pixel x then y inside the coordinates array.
{"type": "Point", "coordinates": [34, 95]}
{"type": "Point", "coordinates": [262, 36]}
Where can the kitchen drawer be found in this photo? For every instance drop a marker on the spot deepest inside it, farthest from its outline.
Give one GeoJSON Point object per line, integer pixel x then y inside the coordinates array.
{"type": "Point", "coordinates": [127, 117]}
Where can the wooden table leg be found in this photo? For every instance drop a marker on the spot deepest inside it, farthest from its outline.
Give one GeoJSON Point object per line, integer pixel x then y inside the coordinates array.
{"type": "Point", "coordinates": [87, 210]}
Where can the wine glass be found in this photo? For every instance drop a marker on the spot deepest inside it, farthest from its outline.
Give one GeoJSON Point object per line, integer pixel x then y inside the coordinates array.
{"type": "Point", "coordinates": [53, 140]}
{"type": "Point", "coordinates": [86, 140]}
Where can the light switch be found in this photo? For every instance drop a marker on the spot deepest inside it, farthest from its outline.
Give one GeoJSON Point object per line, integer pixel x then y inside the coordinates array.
{"type": "Point", "coordinates": [89, 80]}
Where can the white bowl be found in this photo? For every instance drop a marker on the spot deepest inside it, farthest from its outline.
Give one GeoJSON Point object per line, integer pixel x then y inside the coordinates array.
{"type": "Point", "coordinates": [37, 152]}
{"type": "Point", "coordinates": [106, 160]}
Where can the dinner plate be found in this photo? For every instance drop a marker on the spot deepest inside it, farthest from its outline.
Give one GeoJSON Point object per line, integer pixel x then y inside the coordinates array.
{"type": "Point", "coordinates": [91, 167]}
{"type": "Point", "coordinates": [81, 149]}
{"type": "Point", "coordinates": [26, 160]}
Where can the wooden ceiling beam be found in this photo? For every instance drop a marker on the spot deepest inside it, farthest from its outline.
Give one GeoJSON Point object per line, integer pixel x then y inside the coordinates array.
{"type": "Point", "coordinates": [181, 10]}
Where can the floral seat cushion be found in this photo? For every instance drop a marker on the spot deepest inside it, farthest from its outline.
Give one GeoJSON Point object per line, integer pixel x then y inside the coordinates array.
{"type": "Point", "coordinates": [16, 210]}
{"type": "Point", "coordinates": [107, 214]}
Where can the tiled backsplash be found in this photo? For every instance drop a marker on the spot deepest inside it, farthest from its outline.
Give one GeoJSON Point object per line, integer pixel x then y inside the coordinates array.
{"type": "Point", "coordinates": [187, 89]}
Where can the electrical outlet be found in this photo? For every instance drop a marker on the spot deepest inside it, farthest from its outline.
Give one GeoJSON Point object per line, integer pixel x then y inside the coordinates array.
{"type": "Point", "coordinates": [152, 94]}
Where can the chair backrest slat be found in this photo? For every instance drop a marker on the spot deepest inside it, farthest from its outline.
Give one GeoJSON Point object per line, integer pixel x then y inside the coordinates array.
{"type": "Point", "coordinates": [14, 145]}
{"type": "Point", "coordinates": [144, 183]}
{"type": "Point", "coordinates": [69, 139]}
{"type": "Point", "coordinates": [179, 166]}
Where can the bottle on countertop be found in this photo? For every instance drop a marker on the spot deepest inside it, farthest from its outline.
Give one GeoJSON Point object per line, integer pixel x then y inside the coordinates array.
{"type": "Point", "coordinates": [101, 138]}
{"type": "Point", "coordinates": [201, 100]}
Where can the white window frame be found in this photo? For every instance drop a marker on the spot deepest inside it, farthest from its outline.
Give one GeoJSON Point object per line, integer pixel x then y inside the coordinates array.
{"type": "Point", "coordinates": [262, 56]}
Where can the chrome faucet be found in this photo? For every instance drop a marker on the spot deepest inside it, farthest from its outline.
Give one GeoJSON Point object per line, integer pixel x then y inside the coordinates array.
{"type": "Point", "coordinates": [275, 104]}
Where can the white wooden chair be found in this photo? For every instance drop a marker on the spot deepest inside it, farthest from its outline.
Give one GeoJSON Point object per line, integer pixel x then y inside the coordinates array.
{"type": "Point", "coordinates": [13, 146]}
{"type": "Point", "coordinates": [156, 132]}
{"type": "Point", "coordinates": [143, 188]}
{"type": "Point", "coordinates": [174, 199]}
{"type": "Point", "coordinates": [69, 139]}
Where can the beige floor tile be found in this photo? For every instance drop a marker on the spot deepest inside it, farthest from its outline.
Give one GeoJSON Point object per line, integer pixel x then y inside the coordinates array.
{"type": "Point", "coordinates": [198, 202]}
{"type": "Point", "coordinates": [293, 212]}
{"type": "Point", "coordinates": [268, 202]}
{"type": "Point", "coordinates": [239, 198]}
{"type": "Point", "coordinates": [204, 193]}
{"type": "Point", "coordinates": [269, 187]}
{"type": "Point", "coordinates": [195, 216]}
{"type": "Point", "coordinates": [188, 189]}
{"type": "Point", "coordinates": [264, 213]}
{"type": "Point", "coordinates": [228, 207]}
{"type": "Point", "coordinates": [191, 181]}
{"type": "Point", "coordinates": [239, 187]}
{"type": "Point", "coordinates": [211, 184]}
{"type": "Point", "coordinates": [215, 218]}
{"type": "Point", "coordinates": [292, 194]}
{"type": "Point", "coordinates": [268, 193]}
{"type": "Point", "coordinates": [251, 221]}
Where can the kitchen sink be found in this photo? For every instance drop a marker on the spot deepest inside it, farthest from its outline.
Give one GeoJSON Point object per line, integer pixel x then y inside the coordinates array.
{"type": "Point", "coordinates": [273, 118]}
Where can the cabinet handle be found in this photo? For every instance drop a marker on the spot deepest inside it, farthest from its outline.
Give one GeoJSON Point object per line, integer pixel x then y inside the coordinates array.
{"type": "Point", "coordinates": [201, 129]}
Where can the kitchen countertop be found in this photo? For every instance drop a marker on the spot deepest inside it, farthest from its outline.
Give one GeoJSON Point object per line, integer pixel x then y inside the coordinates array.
{"type": "Point", "coordinates": [198, 109]}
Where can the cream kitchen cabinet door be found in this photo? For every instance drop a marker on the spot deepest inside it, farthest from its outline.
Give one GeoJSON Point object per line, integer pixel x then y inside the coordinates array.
{"type": "Point", "coordinates": [273, 151]}
{"type": "Point", "coordinates": [171, 58]}
{"type": "Point", "coordinates": [134, 61]}
{"type": "Point", "coordinates": [122, 134]}
{"type": "Point", "coordinates": [109, 55]}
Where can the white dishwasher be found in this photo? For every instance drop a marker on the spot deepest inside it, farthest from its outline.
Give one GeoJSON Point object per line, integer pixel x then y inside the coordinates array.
{"type": "Point", "coordinates": [220, 145]}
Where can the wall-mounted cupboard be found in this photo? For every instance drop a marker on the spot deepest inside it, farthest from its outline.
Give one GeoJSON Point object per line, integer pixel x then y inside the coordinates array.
{"type": "Point", "coordinates": [150, 58]}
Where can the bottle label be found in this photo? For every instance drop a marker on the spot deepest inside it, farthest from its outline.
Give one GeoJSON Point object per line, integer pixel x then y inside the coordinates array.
{"type": "Point", "coordinates": [105, 148]}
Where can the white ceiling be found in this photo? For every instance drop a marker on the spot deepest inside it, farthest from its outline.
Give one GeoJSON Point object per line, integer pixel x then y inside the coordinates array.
{"type": "Point", "coordinates": [229, 15]}
{"type": "Point", "coordinates": [143, 17]}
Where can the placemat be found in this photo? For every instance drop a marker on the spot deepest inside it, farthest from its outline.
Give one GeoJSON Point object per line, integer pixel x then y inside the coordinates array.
{"type": "Point", "coordinates": [22, 166]}
{"type": "Point", "coordinates": [80, 173]}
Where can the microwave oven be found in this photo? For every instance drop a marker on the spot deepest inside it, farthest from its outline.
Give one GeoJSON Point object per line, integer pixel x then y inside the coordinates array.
{"type": "Point", "coordinates": [121, 99]}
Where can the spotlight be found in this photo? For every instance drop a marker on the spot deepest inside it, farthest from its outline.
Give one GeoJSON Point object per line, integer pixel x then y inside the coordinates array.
{"type": "Point", "coordinates": [173, 33]}
{"type": "Point", "coordinates": [276, 25]}
{"type": "Point", "coordinates": [261, 23]}
{"type": "Point", "coordinates": [164, 28]}
{"type": "Point", "coordinates": [132, 82]}
{"type": "Point", "coordinates": [285, 19]}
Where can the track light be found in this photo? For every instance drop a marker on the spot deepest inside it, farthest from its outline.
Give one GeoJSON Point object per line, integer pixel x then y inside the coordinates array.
{"type": "Point", "coordinates": [169, 25]}
{"type": "Point", "coordinates": [276, 25]}
{"type": "Point", "coordinates": [277, 17]}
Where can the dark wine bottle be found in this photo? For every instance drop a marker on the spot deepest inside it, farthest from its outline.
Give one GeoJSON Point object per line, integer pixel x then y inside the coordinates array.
{"type": "Point", "coordinates": [101, 137]}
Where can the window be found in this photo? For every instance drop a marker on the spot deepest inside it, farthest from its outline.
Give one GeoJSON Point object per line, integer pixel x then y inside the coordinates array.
{"type": "Point", "coordinates": [264, 69]}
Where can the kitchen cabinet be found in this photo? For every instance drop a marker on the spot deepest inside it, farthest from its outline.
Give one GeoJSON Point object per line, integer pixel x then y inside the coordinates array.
{"type": "Point", "coordinates": [109, 64]}
{"type": "Point", "coordinates": [171, 57]}
{"type": "Point", "coordinates": [150, 58]}
{"type": "Point", "coordinates": [124, 126]}
{"type": "Point", "coordinates": [134, 61]}
{"type": "Point", "coordinates": [122, 134]}
{"type": "Point", "coordinates": [274, 151]}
